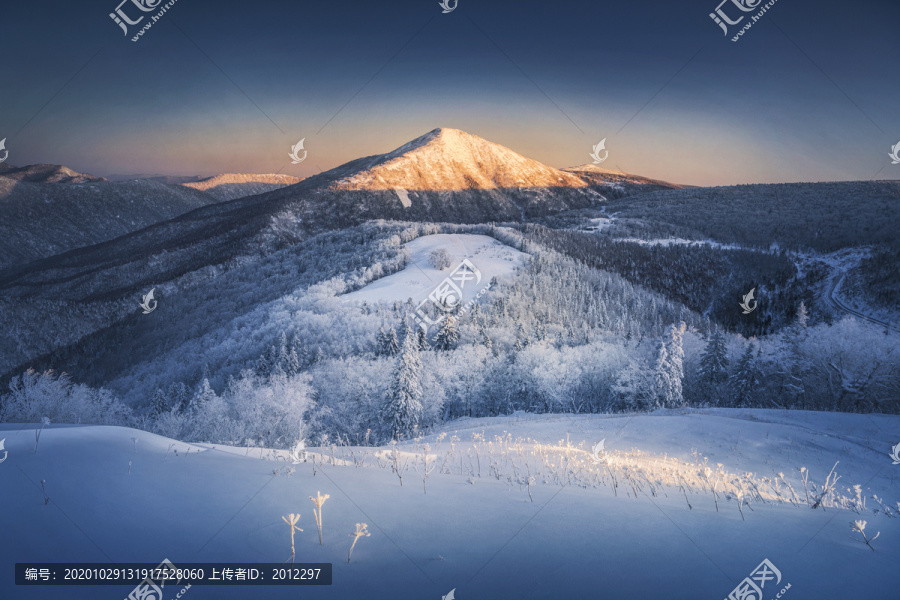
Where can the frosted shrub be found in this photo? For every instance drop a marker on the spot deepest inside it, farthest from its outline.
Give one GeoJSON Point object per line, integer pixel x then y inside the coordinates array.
{"type": "Point", "coordinates": [34, 395]}
{"type": "Point", "coordinates": [441, 259]}
{"type": "Point", "coordinates": [859, 526]}
{"type": "Point", "coordinates": [292, 520]}
{"type": "Point", "coordinates": [319, 500]}
{"type": "Point", "coordinates": [427, 467]}
{"type": "Point", "coordinates": [37, 432]}
{"type": "Point", "coordinates": [361, 531]}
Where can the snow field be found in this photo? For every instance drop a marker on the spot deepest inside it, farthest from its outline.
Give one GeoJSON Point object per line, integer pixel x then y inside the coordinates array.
{"type": "Point", "coordinates": [487, 539]}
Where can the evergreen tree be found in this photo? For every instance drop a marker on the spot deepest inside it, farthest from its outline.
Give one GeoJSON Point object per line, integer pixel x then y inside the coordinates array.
{"type": "Point", "coordinates": [448, 336]}
{"type": "Point", "coordinates": [714, 360]}
{"type": "Point", "coordinates": [713, 368]}
{"type": "Point", "coordinates": [382, 341]}
{"type": "Point", "coordinates": [203, 394]}
{"type": "Point", "coordinates": [402, 409]}
{"type": "Point", "coordinates": [160, 402]}
{"type": "Point", "coordinates": [522, 340]}
{"type": "Point", "coordinates": [794, 366]}
{"type": "Point", "coordinates": [800, 322]}
{"type": "Point", "coordinates": [292, 365]}
{"type": "Point", "coordinates": [486, 339]}
{"type": "Point", "coordinates": [421, 338]}
{"type": "Point", "coordinates": [393, 344]}
{"type": "Point", "coordinates": [178, 397]}
{"type": "Point", "coordinates": [745, 379]}
{"type": "Point", "coordinates": [669, 371]}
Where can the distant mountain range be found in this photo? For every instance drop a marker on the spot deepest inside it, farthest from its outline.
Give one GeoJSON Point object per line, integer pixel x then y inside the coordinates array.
{"type": "Point", "coordinates": [621, 184]}
{"type": "Point", "coordinates": [51, 209]}
{"type": "Point", "coordinates": [46, 174]}
{"type": "Point", "coordinates": [231, 186]}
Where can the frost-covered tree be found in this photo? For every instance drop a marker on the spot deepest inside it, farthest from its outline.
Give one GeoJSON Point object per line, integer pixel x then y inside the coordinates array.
{"type": "Point", "coordinates": [33, 396]}
{"type": "Point", "coordinates": [746, 378]}
{"type": "Point", "coordinates": [203, 394]}
{"type": "Point", "coordinates": [421, 339]}
{"type": "Point", "coordinates": [448, 335]}
{"type": "Point", "coordinates": [486, 339]}
{"type": "Point", "coordinates": [669, 371]}
{"type": "Point", "coordinates": [714, 360]}
{"type": "Point", "coordinates": [402, 409]}
{"type": "Point", "coordinates": [633, 389]}
{"type": "Point", "coordinates": [713, 368]}
{"type": "Point", "coordinates": [391, 345]}
{"type": "Point", "coordinates": [441, 259]}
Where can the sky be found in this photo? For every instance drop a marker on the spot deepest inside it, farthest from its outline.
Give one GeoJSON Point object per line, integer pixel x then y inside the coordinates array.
{"type": "Point", "coordinates": [809, 93]}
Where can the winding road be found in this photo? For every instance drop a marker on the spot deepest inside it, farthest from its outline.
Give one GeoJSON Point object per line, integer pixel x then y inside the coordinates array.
{"type": "Point", "coordinates": [846, 309]}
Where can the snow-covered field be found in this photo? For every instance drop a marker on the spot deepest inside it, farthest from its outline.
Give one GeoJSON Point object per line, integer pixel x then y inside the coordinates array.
{"type": "Point", "coordinates": [420, 277]}
{"type": "Point", "coordinates": [118, 494]}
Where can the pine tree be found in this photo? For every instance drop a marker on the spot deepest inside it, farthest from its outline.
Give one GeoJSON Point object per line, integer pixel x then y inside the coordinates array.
{"type": "Point", "coordinates": [160, 402]}
{"type": "Point", "coordinates": [292, 366]}
{"type": "Point", "coordinates": [486, 339]}
{"type": "Point", "coordinates": [403, 407]}
{"type": "Point", "coordinates": [421, 338]}
{"type": "Point", "coordinates": [795, 364]}
{"type": "Point", "coordinates": [448, 336]}
{"type": "Point", "coordinates": [393, 345]}
{"type": "Point", "coordinates": [669, 372]}
{"type": "Point", "coordinates": [714, 361]}
{"type": "Point", "coordinates": [745, 379]}
{"type": "Point", "coordinates": [382, 341]}
{"type": "Point", "coordinates": [284, 353]}
{"type": "Point", "coordinates": [267, 363]}
{"type": "Point", "coordinates": [178, 396]}
{"type": "Point", "coordinates": [802, 318]}
{"type": "Point", "coordinates": [203, 394]}
{"type": "Point", "coordinates": [522, 340]}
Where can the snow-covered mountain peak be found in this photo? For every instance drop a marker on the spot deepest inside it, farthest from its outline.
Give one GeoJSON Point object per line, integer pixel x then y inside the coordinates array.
{"type": "Point", "coordinates": [450, 159]}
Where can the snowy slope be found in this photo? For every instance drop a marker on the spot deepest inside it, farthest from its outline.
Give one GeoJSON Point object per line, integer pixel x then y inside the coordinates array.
{"type": "Point", "coordinates": [44, 219]}
{"type": "Point", "coordinates": [419, 278]}
{"type": "Point", "coordinates": [485, 539]}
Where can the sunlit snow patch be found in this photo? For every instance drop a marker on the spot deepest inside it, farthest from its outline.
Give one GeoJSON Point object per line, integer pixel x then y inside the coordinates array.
{"type": "Point", "coordinates": [420, 277]}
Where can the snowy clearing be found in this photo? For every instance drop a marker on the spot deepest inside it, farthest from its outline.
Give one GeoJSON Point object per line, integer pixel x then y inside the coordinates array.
{"type": "Point", "coordinates": [127, 495]}
{"type": "Point", "coordinates": [420, 277]}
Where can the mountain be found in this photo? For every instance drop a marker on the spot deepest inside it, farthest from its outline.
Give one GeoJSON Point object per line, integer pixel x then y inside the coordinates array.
{"type": "Point", "coordinates": [445, 175]}
{"type": "Point", "coordinates": [617, 184]}
{"type": "Point", "coordinates": [47, 174]}
{"type": "Point", "coordinates": [157, 177]}
{"type": "Point", "coordinates": [41, 219]}
{"type": "Point", "coordinates": [230, 186]}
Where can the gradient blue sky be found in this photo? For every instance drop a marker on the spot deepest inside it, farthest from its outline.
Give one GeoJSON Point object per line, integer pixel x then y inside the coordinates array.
{"type": "Point", "coordinates": [810, 93]}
